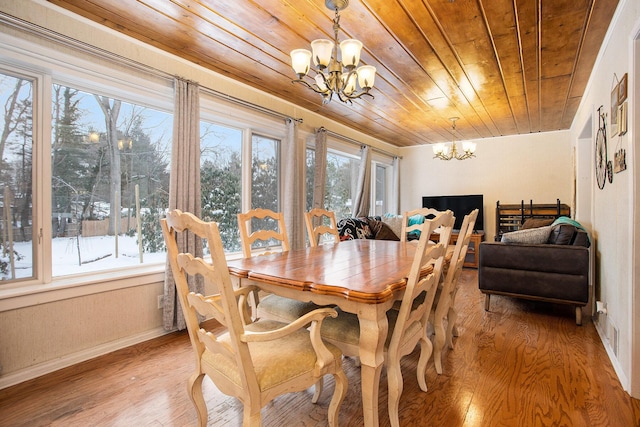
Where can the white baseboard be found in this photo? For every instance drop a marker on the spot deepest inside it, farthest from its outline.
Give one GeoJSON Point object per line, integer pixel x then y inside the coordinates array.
{"type": "Point", "coordinates": [35, 371]}
{"type": "Point", "coordinates": [624, 381]}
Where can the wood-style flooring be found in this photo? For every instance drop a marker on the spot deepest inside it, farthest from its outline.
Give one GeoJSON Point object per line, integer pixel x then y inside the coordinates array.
{"type": "Point", "coordinates": [522, 364]}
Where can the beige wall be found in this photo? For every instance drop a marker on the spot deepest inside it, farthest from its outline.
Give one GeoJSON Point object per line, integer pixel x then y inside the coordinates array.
{"type": "Point", "coordinates": [613, 208]}
{"type": "Point", "coordinates": [508, 169]}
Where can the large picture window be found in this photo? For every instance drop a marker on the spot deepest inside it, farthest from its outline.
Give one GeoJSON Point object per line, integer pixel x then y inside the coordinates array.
{"type": "Point", "coordinates": [110, 181]}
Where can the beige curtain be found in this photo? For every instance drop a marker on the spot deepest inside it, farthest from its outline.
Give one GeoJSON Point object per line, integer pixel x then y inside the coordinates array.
{"type": "Point", "coordinates": [363, 189]}
{"type": "Point", "coordinates": [320, 169]}
{"type": "Point", "coordinates": [294, 201]}
{"type": "Point", "coordinates": [394, 202]}
{"type": "Point", "coordinates": [184, 188]}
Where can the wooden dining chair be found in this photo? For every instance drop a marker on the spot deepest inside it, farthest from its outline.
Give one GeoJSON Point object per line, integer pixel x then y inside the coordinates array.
{"type": "Point", "coordinates": [271, 306]}
{"type": "Point", "coordinates": [254, 362]}
{"type": "Point", "coordinates": [408, 325]}
{"type": "Point", "coordinates": [409, 225]}
{"type": "Point", "coordinates": [317, 229]}
{"type": "Point", "coordinates": [444, 308]}
{"type": "Point", "coordinates": [264, 229]}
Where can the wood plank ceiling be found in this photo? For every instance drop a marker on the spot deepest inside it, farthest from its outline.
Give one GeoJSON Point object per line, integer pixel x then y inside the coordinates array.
{"type": "Point", "coordinates": [503, 66]}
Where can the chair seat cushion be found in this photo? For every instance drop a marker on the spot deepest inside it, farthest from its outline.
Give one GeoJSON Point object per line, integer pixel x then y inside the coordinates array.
{"type": "Point", "coordinates": [345, 328]}
{"type": "Point", "coordinates": [283, 309]}
{"type": "Point", "coordinates": [295, 357]}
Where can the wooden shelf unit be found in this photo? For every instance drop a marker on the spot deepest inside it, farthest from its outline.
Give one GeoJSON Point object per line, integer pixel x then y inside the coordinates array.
{"type": "Point", "coordinates": [511, 217]}
{"type": "Point", "coordinates": [471, 259]}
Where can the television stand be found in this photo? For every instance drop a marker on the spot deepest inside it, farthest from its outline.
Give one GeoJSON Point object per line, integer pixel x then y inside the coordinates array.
{"type": "Point", "coordinates": [471, 259]}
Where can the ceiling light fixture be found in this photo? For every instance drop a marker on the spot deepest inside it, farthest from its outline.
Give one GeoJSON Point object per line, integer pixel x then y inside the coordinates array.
{"type": "Point", "coordinates": [441, 149]}
{"type": "Point", "coordinates": [334, 76]}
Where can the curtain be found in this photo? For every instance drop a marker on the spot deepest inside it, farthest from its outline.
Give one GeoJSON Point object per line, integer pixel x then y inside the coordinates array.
{"type": "Point", "coordinates": [394, 202]}
{"type": "Point", "coordinates": [320, 169]}
{"type": "Point", "coordinates": [363, 190]}
{"type": "Point", "coordinates": [184, 189]}
{"type": "Point", "coordinates": [294, 201]}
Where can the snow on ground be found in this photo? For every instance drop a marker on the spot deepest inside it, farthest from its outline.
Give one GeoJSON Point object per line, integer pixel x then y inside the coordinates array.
{"type": "Point", "coordinates": [96, 253]}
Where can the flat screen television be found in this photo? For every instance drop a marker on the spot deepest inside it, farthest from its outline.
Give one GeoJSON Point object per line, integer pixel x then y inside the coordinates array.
{"type": "Point", "coordinates": [460, 205]}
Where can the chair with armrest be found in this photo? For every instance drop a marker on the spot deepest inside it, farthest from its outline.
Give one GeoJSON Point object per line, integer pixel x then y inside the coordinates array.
{"type": "Point", "coordinates": [317, 229]}
{"type": "Point", "coordinates": [273, 307]}
{"type": "Point", "coordinates": [408, 325]}
{"type": "Point", "coordinates": [254, 362]}
{"type": "Point", "coordinates": [444, 307]}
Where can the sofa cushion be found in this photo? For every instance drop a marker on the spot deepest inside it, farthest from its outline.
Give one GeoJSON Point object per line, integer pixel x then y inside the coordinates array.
{"type": "Point", "coordinates": [531, 236]}
{"type": "Point", "coordinates": [536, 223]}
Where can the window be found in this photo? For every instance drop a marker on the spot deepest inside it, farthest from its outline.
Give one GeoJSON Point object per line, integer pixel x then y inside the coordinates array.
{"type": "Point", "coordinates": [110, 181]}
{"type": "Point", "coordinates": [16, 177]}
{"type": "Point", "coordinates": [380, 190]}
{"type": "Point", "coordinates": [221, 180]}
{"type": "Point", "coordinates": [342, 179]}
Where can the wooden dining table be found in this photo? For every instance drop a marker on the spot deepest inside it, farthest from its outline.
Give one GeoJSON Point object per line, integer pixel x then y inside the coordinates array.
{"type": "Point", "coordinates": [360, 276]}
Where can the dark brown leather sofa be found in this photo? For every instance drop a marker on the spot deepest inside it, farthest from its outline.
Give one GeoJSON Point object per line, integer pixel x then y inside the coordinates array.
{"type": "Point", "coordinates": [550, 271]}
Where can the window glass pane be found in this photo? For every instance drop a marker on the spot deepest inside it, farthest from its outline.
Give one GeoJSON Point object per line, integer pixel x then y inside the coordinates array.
{"type": "Point", "coordinates": [380, 207]}
{"type": "Point", "coordinates": [221, 180]}
{"type": "Point", "coordinates": [264, 173]}
{"type": "Point", "coordinates": [16, 191]}
{"type": "Point", "coordinates": [342, 178]}
{"type": "Point", "coordinates": [311, 165]}
{"type": "Point", "coordinates": [108, 157]}
{"type": "Point", "coordinates": [264, 182]}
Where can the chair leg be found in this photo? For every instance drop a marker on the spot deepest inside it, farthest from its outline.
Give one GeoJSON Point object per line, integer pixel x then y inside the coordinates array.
{"type": "Point", "coordinates": [394, 379]}
{"type": "Point", "coordinates": [452, 329]}
{"type": "Point", "coordinates": [250, 419]}
{"type": "Point", "coordinates": [338, 396]}
{"type": "Point", "coordinates": [487, 297]}
{"type": "Point", "coordinates": [194, 389]}
{"type": "Point", "coordinates": [439, 344]}
{"type": "Point", "coordinates": [426, 349]}
{"type": "Point", "coordinates": [578, 315]}
{"type": "Point", "coordinates": [318, 390]}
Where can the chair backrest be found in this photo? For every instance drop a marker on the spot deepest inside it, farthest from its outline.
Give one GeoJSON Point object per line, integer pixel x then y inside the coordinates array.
{"type": "Point", "coordinates": [223, 306]}
{"type": "Point", "coordinates": [407, 218]}
{"type": "Point", "coordinates": [263, 220]}
{"type": "Point", "coordinates": [317, 228]}
{"type": "Point", "coordinates": [457, 261]}
{"type": "Point", "coordinates": [428, 255]}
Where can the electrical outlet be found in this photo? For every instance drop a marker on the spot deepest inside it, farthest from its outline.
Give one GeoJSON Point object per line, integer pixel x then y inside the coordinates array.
{"type": "Point", "coordinates": [160, 301]}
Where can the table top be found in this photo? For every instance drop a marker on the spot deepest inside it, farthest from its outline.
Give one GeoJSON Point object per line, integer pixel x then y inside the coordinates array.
{"type": "Point", "coordinates": [361, 270]}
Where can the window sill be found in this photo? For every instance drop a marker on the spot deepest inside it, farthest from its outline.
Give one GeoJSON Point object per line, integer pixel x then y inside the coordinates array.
{"type": "Point", "coordinates": [77, 286]}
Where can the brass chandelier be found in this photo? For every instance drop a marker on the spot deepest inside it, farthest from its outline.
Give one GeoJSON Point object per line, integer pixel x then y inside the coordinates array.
{"type": "Point", "coordinates": [442, 150]}
{"type": "Point", "coordinates": [333, 76]}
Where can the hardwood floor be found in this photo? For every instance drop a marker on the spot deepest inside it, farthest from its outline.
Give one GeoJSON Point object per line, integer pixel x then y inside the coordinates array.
{"type": "Point", "coordinates": [522, 364]}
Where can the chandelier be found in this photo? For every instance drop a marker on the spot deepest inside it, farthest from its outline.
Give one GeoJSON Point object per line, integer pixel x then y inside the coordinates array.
{"type": "Point", "coordinates": [332, 75]}
{"type": "Point", "coordinates": [441, 149]}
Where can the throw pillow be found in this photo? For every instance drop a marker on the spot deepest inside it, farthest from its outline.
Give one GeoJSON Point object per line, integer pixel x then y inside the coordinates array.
{"type": "Point", "coordinates": [394, 222]}
{"type": "Point", "coordinates": [562, 234]}
{"type": "Point", "coordinates": [531, 236]}
{"type": "Point", "coordinates": [535, 223]}
{"type": "Point", "coordinates": [382, 231]}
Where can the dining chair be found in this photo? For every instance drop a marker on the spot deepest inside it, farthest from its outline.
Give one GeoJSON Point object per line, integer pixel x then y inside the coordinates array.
{"type": "Point", "coordinates": [317, 232]}
{"type": "Point", "coordinates": [410, 224]}
{"type": "Point", "coordinates": [264, 227]}
{"type": "Point", "coordinates": [444, 308]}
{"type": "Point", "coordinates": [254, 362]}
{"type": "Point", "coordinates": [408, 325]}
{"type": "Point", "coordinates": [271, 306]}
